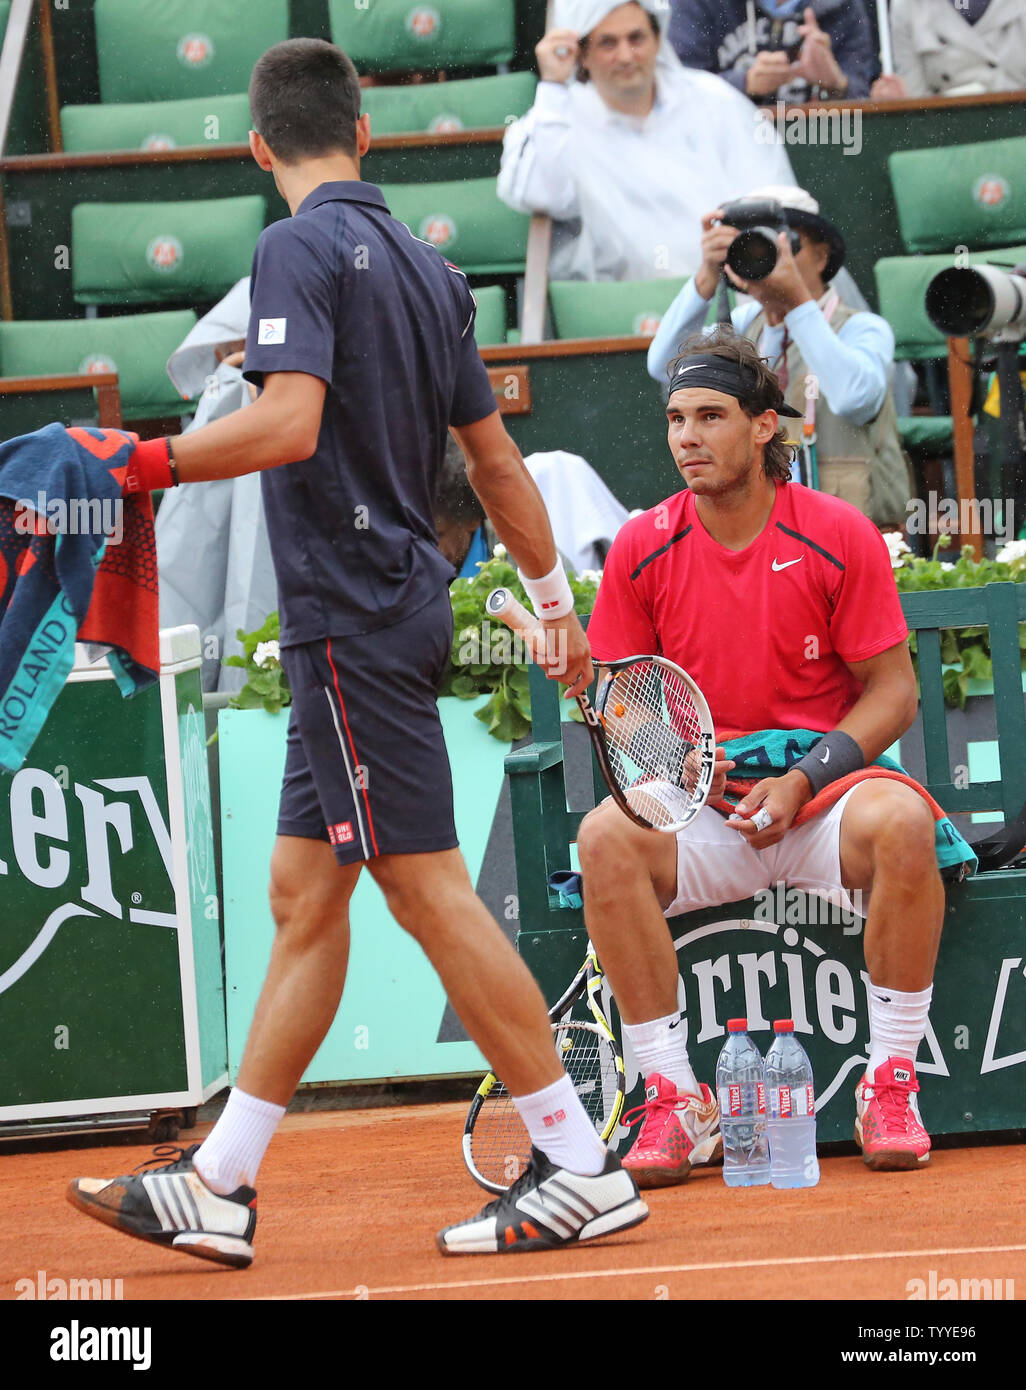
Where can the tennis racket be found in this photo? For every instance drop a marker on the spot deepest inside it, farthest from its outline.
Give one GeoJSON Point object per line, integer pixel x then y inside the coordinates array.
{"type": "Point", "coordinates": [496, 1144]}
{"type": "Point", "coordinates": [650, 728]}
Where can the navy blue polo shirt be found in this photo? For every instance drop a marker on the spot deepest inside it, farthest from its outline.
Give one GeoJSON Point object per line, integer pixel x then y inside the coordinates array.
{"type": "Point", "coordinates": [344, 292]}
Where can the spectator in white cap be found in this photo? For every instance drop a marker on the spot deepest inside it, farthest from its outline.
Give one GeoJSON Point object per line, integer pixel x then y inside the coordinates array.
{"type": "Point", "coordinates": [623, 146]}
{"type": "Point", "coordinates": [955, 48]}
{"type": "Point", "coordinates": [834, 362]}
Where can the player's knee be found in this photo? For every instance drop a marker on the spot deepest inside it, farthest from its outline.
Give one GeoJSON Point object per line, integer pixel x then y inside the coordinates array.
{"type": "Point", "coordinates": [897, 823]}
{"type": "Point", "coordinates": [428, 897]}
{"type": "Point", "coordinates": [600, 842]}
{"type": "Point", "coordinates": [306, 911]}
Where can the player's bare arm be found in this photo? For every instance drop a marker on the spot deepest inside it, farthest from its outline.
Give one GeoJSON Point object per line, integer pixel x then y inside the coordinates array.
{"type": "Point", "coordinates": [515, 508]}
{"type": "Point", "coordinates": [281, 426]}
{"type": "Point", "coordinates": [882, 713]}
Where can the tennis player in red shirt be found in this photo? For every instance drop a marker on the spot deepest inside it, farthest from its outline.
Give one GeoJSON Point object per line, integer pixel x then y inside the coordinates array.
{"type": "Point", "coordinates": [781, 603]}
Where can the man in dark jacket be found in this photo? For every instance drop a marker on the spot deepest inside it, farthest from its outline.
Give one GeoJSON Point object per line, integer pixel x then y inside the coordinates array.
{"type": "Point", "coordinates": [776, 49]}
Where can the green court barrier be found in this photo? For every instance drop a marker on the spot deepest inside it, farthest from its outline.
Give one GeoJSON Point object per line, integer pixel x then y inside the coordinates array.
{"type": "Point", "coordinates": [111, 991]}
{"type": "Point", "coordinates": [394, 1021]}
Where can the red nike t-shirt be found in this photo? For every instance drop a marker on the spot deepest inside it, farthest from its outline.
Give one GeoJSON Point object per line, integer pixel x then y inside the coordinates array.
{"type": "Point", "coordinates": [765, 631]}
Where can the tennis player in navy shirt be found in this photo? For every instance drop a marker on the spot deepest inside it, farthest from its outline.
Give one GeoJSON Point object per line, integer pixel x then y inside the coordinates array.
{"type": "Point", "coordinates": [361, 342]}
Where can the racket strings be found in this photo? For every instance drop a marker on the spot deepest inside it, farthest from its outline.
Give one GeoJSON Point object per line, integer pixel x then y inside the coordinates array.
{"type": "Point", "coordinates": [654, 732]}
{"type": "Point", "coordinates": [500, 1143]}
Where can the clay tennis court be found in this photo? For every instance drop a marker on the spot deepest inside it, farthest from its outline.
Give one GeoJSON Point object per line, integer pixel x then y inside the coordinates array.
{"type": "Point", "coordinates": [350, 1201]}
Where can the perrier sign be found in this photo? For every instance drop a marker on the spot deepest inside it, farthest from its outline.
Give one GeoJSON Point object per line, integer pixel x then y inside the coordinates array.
{"type": "Point", "coordinates": [110, 987]}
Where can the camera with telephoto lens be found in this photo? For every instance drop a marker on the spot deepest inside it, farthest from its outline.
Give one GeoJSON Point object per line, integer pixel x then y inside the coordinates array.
{"type": "Point", "coordinates": [978, 301]}
{"type": "Point", "coordinates": [752, 255]}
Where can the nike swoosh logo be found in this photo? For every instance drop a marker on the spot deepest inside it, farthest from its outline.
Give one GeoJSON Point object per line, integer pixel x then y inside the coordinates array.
{"type": "Point", "coordinates": [787, 563]}
{"type": "Point", "coordinates": [825, 758]}
{"type": "Point", "coordinates": [674, 1025]}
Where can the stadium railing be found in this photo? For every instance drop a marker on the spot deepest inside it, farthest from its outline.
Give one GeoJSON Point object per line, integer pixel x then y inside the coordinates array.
{"type": "Point", "coordinates": [29, 402]}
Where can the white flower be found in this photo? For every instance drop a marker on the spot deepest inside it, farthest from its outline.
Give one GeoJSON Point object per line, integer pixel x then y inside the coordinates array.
{"type": "Point", "coordinates": [897, 548]}
{"type": "Point", "coordinates": [1012, 551]}
{"type": "Point", "coordinates": [590, 576]}
{"type": "Point", "coordinates": [267, 652]}
{"type": "Point", "coordinates": [499, 553]}
{"type": "Point", "coordinates": [946, 565]}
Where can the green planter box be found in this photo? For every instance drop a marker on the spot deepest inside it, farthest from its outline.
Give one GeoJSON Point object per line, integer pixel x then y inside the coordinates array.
{"type": "Point", "coordinates": [111, 991]}
{"type": "Point", "coordinates": [394, 1021]}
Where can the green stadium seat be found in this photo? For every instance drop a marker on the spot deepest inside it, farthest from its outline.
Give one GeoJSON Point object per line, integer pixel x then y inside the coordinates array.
{"type": "Point", "coordinates": [163, 253]}
{"type": "Point", "coordinates": [610, 308]}
{"type": "Point", "coordinates": [933, 434]}
{"type": "Point", "coordinates": [407, 36]}
{"type": "Point", "coordinates": [466, 221]}
{"type": "Point", "coordinates": [490, 323]}
{"type": "Point", "coordinates": [156, 125]}
{"type": "Point", "coordinates": [159, 50]}
{"type": "Point", "coordinates": [961, 195]}
{"type": "Point", "coordinates": [136, 346]}
{"type": "Point", "coordinates": [439, 107]}
{"type": "Point", "coordinates": [901, 283]}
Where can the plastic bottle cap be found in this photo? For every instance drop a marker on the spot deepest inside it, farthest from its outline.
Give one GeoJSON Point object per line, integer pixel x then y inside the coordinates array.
{"type": "Point", "coordinates": [784, 1025]}
{"type": "Point", "coordinates": [737, 1025]}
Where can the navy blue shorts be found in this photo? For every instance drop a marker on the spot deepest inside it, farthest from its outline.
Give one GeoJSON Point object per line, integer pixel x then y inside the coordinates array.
{"type": "Point", "coordinates": [367, 767]}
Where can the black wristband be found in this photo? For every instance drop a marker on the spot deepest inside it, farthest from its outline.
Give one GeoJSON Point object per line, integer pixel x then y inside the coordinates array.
{"type": "Point", "coordinates": [835, 755]}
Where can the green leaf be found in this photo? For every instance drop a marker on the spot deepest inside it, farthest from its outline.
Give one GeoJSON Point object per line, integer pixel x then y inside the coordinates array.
{"type": "Point", "coordinates": [976, 664]}
{"type": "Point", "coordinates": [247, 699]}
{"type": "Point", "coordinates": [954, 689]}
{"type": "Point", "coordinates": [510, 724]}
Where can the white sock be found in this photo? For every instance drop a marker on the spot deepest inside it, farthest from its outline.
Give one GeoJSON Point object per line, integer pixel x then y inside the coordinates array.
{"type": "Point", "coordinates": [897, 1024]}
{"type": "Point", "coordinates": [659, 1046]}
{"type": "Point", "coordinates": [558, 1125]}
{"type": "Point", "coordinates": [232, 1152]}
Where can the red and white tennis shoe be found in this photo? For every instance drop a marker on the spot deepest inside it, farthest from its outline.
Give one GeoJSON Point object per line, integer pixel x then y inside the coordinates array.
{"type": "Point", "coordinates": [678, 1132]}
{"type": "Point", "coordinates": [888, 1127]}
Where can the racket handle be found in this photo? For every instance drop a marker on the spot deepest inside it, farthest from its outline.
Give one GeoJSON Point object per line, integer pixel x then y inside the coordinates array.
{"type": "Point", "coordinates": [502, 604]}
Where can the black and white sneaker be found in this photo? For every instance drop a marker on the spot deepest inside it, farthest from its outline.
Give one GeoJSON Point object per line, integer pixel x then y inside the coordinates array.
{"type": "Point", "coordinates": [548, 1207]}
{"type": "Point", "coordinates": [173, 1206]}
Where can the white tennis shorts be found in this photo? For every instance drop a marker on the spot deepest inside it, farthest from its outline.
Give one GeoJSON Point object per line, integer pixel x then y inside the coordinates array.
{"type": "Point", "coordinates": [716, 865]}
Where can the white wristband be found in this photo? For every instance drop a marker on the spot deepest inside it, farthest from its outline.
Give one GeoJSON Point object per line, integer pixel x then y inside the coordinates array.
{"type": "Point", "coordinates": [550, 596]}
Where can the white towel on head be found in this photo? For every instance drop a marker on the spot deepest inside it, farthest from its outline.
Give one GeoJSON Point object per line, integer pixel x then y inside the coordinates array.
{"type": "Point", "coordinates": [582, 16]}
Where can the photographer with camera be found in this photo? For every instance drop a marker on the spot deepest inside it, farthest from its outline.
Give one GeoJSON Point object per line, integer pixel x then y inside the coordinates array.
{"type": "Point", "coordinates": [834, 362]}
{"type": "Point", "coordinates": [988, 302]}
